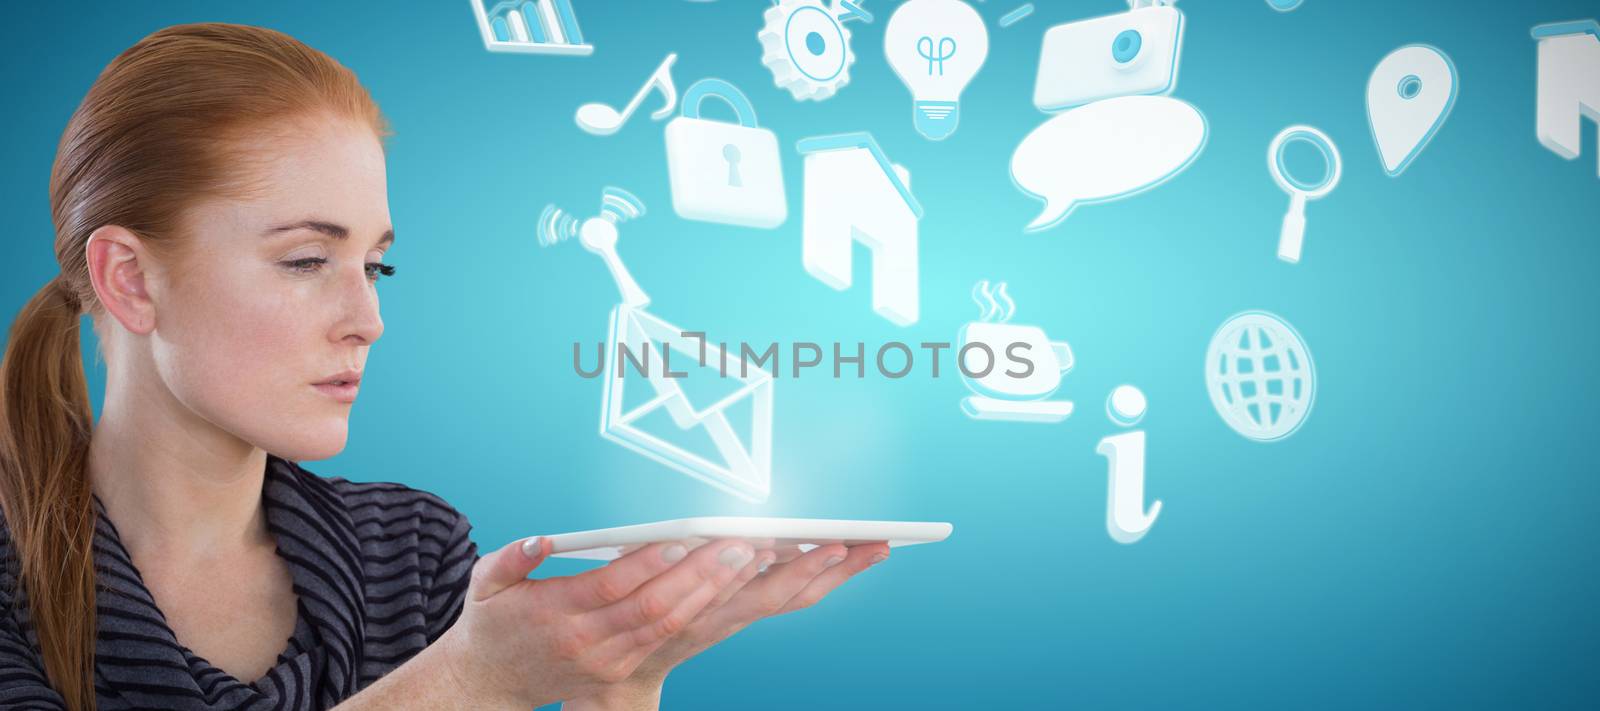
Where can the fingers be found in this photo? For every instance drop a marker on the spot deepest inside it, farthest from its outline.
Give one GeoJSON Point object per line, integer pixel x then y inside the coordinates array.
{"type": "Point", "coordinates": [618, 579]}
{"type": "Point", "coordinates": [771, 591]}
{"type": "Point", "coordinates": [666, 604]}
{"type": "Point", "coordinates": [506, 567]}
{"type": "Point", "coordinates": [859, 558]}
{"type": "Point", "coordinates": [763, 559]}
{"type": "Point", "coordinates": [781, 588]}
{"type": "Point", "coordinates": [788, 553]}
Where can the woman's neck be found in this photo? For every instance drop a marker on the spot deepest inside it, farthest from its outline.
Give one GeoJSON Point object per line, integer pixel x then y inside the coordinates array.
{"type": "Point", "coordinates": [175, 485]}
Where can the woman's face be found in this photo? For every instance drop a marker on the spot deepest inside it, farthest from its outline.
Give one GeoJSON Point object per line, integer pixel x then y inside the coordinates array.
{"type": "Point", "coordinates": [271, 301]}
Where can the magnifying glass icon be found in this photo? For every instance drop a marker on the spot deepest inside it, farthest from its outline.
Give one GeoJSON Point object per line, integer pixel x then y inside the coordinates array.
{"type": "Point", "coordinates": [1294, 221]}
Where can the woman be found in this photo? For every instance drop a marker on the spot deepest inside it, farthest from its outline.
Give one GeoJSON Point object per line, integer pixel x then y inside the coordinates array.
{"type": "Point", "coordinates": [221, 214]}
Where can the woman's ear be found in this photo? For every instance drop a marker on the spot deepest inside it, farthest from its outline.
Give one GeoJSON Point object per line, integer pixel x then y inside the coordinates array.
{"type": "Point", "coordinates": [118, 264]}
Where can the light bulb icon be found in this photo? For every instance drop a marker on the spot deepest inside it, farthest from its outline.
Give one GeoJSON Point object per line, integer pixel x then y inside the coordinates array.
{"type": "Point", "coordinates": [936, 47]}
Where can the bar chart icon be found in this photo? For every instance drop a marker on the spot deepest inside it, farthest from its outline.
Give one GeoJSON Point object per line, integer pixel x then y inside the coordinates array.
{"type": "Point", "coordinates": [530, 27]}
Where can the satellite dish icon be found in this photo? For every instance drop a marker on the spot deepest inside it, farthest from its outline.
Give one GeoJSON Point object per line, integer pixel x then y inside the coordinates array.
{"type": "Point", "coordinates": [599, 235]}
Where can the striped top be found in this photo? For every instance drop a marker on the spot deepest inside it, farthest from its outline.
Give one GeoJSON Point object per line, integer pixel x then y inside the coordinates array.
{"type": "Point", "coordinates": [380, 571]}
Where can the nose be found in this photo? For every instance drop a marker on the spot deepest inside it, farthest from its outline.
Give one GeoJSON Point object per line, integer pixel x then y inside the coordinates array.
{"type": "Point", "coordinates": [358, 321]}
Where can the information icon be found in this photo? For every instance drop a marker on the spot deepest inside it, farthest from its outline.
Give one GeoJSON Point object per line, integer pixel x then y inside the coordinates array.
{"type": "Point", "coordinates": [1260, 377]}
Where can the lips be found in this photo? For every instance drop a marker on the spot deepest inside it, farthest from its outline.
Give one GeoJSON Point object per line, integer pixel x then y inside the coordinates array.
{"type": "Point", "coordinates": [342, 387]}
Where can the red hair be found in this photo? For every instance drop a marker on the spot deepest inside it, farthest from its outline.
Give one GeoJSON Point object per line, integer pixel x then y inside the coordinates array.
{"type": "Point", "coordinates": [162, 127]}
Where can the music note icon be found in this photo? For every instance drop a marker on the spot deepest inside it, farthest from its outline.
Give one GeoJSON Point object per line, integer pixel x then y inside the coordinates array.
{"type": "Point", "coordinates": [602, 120]}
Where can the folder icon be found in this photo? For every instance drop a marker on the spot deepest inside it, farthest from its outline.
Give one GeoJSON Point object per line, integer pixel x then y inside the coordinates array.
{"type": "Point", "coordinates": [675, 421]}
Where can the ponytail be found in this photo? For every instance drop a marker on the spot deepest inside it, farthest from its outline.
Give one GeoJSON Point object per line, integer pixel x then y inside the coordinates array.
{"type": "Point", "coordinates": [45, 421]}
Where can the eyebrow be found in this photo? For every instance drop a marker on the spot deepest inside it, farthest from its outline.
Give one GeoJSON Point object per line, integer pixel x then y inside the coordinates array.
{"type": "Point", "coordinates": [336, 231]}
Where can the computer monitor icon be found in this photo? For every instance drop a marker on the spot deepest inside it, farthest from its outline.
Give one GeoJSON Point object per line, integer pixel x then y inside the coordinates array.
{"type": "Point", "coordinates": [530, 27]}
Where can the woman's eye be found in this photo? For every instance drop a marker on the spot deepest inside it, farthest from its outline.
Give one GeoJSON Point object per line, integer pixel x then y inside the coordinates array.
{"type": "Point", "coordinates": [374, 269]}
{"type": "Point", "coordinates": [310, 265]}
{"type": "Point", "coordinates": [306, 265]}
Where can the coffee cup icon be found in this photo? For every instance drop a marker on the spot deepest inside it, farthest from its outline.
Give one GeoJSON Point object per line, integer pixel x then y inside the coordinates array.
{"type": "Point", "coordinates": [1009, 389]}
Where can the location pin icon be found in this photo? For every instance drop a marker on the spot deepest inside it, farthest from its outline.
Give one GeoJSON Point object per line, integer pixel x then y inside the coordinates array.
{"type": "Point", "coordinates": [1409, 96]}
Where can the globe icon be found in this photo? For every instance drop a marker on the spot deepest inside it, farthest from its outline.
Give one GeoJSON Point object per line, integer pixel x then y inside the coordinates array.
{"type": "Point", "coordinates": [1259, 375]}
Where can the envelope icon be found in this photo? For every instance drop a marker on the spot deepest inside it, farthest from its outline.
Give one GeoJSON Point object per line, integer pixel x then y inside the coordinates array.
{"type": "Point", "coordinates": [681, 426]}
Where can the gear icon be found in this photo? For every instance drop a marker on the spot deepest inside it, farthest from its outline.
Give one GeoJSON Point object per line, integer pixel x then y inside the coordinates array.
{"type": "Point", "coordinates": [807, 47]}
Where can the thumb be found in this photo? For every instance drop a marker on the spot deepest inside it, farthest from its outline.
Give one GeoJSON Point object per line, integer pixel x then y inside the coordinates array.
{"type": "Point", "coordinates": [506, 567]}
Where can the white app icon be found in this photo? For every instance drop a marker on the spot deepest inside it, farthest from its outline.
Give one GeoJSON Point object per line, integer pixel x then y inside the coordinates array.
{"type": "Point", "coordinates": [738, 464]}
{"type": "Point", "coordinates": [807, 47]}
{"type": "Point", "coordinates": [530, 27]}
{"type": "Point", "coordinates": [1134, 52]}
{"type": "Point", "coordinates": [1260, 376]}
{"type": "Point", "coordinates": [1409, 95]}
{"type": "Point", "coordinates": [854, 194]}
{"type": "Point", "coordinates": [724, 171]}
{"type": "Point", "coordinates": [1126, 518]}
{"type": "Point", "coordinates": [604, 119]}
{"type": "Point", "coordinates": [936, 47]}
{"type": "Point", "coordinates": [1107, 150]}
{"type": "Point", "coordinates": [1569, 83]}
{"type": "Point", "coordinates": [1291, 238]}
{"type": "Point", "coordinates": [1011, 392]}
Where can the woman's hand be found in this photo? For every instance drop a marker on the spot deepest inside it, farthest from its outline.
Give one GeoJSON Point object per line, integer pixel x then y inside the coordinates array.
{"type": "Point", "coordinates": [521, 643]}
{"type": "Point", "coordinates": [797, 583]}
{"type": "Point", "coordinates": [792, 582]}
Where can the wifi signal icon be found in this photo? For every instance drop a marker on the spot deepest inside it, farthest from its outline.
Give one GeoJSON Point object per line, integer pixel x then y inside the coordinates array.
{"type": "Point", "coordinates": [555, 225]}
{"type": "Point", "coordinates": [619, 205]}
{"type": "Point", "coordinates": [616, 207]}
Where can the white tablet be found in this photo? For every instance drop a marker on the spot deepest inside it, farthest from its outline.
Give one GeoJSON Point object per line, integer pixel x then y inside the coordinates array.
{"type": "Point", "coordinates": [610, 543]}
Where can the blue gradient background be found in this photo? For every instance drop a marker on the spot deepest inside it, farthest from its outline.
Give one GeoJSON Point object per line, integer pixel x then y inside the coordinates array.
{"type": "Point", "coordinates": [1428, 539]}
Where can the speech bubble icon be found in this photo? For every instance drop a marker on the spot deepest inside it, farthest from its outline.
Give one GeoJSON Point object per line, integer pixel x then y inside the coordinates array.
{"type": "Point", "coordinates": [1104, 151]}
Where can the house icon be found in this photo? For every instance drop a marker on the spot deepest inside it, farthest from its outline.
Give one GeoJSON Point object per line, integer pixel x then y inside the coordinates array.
{"type": "Point", "coordinates": [1569, 83]}
{"type": "Point", "coordinates": [854, 194]}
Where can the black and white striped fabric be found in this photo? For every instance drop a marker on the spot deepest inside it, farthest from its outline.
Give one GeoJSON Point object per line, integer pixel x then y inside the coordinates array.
{"type": "Point", "coordinates": [380, 570]}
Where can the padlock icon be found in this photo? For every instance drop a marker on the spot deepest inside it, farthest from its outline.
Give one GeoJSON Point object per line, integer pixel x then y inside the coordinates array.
{"type": "Point", "coordinates": [724, 172]}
